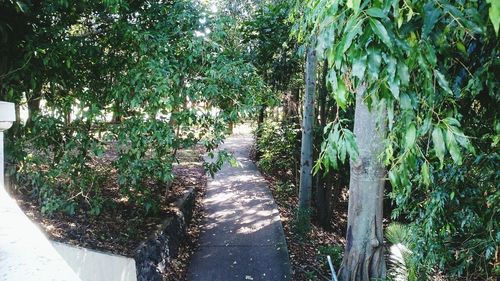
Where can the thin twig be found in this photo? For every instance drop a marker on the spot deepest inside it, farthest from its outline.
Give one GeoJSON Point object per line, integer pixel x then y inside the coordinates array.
{"type": "Point", "coordinates": [17, 69]}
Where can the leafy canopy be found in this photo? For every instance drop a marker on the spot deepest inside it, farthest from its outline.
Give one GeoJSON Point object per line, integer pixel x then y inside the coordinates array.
{"type": "Point", "coordinates": [424, 63]}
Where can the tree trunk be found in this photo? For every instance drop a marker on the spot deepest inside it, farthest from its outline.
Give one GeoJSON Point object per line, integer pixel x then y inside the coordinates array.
{"type": "Point", "coordinates": [323, 202]}
{"type": "Point", "coordinates": [323, 188]}
{"type": "Point", "coordinates": [306, 151]}
{"type": "Point", "coordinates": [287, 106]}
{"type": "Point", "coordinates": [364, 256]}
{"type": "Point", "coordinates": [297, 126]}
{"type": "Point", "coordinates": [33, 107]}
{"type": "Point", "coordinates": [323, 93]}
{"type": "Point", "coordinates": [260, 122]}
{"type": "Point", "coordinates": [67, 116]}
{"type": "Point", "coordinates": [117, 113]}
{"type": "Point", "coordinates": [294, 107]}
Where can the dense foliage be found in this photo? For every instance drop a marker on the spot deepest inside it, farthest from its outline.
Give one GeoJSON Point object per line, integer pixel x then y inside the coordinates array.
{"type": "Point", "coordinates": [278, 146]}
{"type": "Point", "coordinates": [431, 66]}
{"type": "Point", "coordinates": [129, 82]}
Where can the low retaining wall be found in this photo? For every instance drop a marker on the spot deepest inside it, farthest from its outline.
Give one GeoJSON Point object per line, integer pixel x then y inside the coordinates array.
{"type": "Point", "coordinates": [95, 265]}
{"type": "Point", "coordinates": [25, 251]}
{"type": "Point", "coordinates": [152, 256]}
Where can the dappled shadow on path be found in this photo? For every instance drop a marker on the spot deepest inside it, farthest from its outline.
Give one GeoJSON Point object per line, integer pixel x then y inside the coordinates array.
{"type": "Point", "coordinates": [241, 235]}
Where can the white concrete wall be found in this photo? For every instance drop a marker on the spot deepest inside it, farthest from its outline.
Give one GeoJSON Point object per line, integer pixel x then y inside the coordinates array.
{"type": "Point", "coordinates": [7, 117]}
{"type": "Point", "coordinates": [7, 112]}
{"type": "Point", "coordinates": [25, 253]}
{"type": "Point", "coordinates": [92, 265]}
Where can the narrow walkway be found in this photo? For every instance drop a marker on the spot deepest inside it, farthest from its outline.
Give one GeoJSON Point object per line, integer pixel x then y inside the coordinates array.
{"type": "Point", "coordinates": [242, 237]}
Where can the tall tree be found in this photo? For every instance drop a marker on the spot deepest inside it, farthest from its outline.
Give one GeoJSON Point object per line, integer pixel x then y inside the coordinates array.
{"type": "Point", "coordinates": [323, 189]}
{"type": "Point", "coordinates": [306, 157]}
{"type": "Point", "coordinates": [272, 52]}
{"type": "Point", "coordinates": [364, 256]}
{"type": "Point", "coordinates": [110, 58]}
{"type": "Point", "coordinates": [418, 60]}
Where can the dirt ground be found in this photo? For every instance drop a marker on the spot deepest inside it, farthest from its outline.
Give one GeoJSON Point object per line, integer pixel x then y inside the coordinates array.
{"type": "Point", "coordinates": [121, 226]}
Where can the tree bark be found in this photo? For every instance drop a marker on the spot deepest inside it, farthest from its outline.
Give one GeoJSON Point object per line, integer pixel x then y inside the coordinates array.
{"type": "Point", "coordinates": [287, 106]}
{"type": "Point", "coordinates": [297, 126]}
{"type": "Point", "coordinates": [364, 256]}
{"type": "Point", "coordinates": [306, 151]}
{"type": "Point", "coordinates": [260, 122]}
{"type": "Point", "coordinates": [294, 114]}
{"type": "Point", "coordinates": [33, 107]}
{"type": "Point", "coordinates": [323, 188]}
{"type": "Point", "coordinates": [117, 114]}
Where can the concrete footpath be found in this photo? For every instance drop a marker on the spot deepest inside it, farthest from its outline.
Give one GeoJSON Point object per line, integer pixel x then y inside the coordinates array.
{"type": "Point", "coordinates": [241, 236]}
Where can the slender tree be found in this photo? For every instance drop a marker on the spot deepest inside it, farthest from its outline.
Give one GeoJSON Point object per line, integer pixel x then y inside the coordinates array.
{"type": "Point", "coordinates": [323, 189]}
{"type": "Point", "coordinates": [306, 159]}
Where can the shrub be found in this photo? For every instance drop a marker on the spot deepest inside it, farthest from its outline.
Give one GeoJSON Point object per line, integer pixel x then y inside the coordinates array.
{"type": "Point", "coordinates": [277, 145]}
{"type": "Point", "coordinates": [285, 189]}
{"type": "Point", "coordinates": [302, 222]}
{"type": "Point", "coordinates": [334, 251]}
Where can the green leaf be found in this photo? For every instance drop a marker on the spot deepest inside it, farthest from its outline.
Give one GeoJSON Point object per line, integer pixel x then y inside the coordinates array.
{"type": "Point", "coordinates": [451, 121]}
{"type": "Point", "coordinates": [374, 61]}
{"type": "Point", "coordinates": [394, 88]}
{"type": "Point", "coordinates": [339, 53]}
{"type": "Point", "coordinates": [341, 94]}
{"type": "Point", "coordinates": [430, 54]}
{"type": "Point", "coordinates": [381, 32]}
{"type": "Point", "coordinates": [376, 13]}
{"type": "Point", "coordinates": [405, 102]}
{"type": "Point", "coordinates": [22, 6]}
{"type": "Point", "coordinates": [431, 16]}
{"type": "Point", "coordinates": [494, 13]}
{"type": "Point", "coordinates": [354, 5]}
{"type": "Point", "coordinates": [461, 48]}
{"type": "Point", "coordinates": [404, 177]}
{"type": "Point", "coordinates": [403, 74]}
{"type": "Point", "coordinates": [359, 66]}
{"type": "Point", "coordinates": [233, 162]}
{"type": "Point", "coordinates": [393, 178]}
{"type": "Point", "coordinates": [390, 114]}
{"type": "Point", "coordinates": [410, 136]}
{"type": "Point", "coordinates": [352, 147]}
{"type": "Point", "coordinates": [463, 140]}
{"type": "Point", "coordinates": [391, 67]}
{"type": "Point", "coordinates": [330, 56]}
{"type": "Point", "coordinates": [424, 171]}
{"type": "Point", "coordinates": [335, 135]}
{"type": "Point", "coordinates": [452, 145]}
{"type": "Point", "coordinates": [442, 82]}
{"type": "Point", "coordinates": [332, 79]}
{"type": "Point", "coordinates": [409, 15]}
{"type": "Point", "coordinates": [351, 33]}
{"type": "Point", "coordinates": [391, 79]}
{"type": "Point", "coordinates": [400, 20]}
{"type": "Point", "coordinates": [317, 166]}
{"type": "Point", "coordinates": [352, 28]}
{"type": "Point", "coordinates": [426, 125]}
{"type": "Point", "coordinates": [343, 152]}
{"type": "Point", "coordinates": [331, 155]}
{"type": "Point", "coordinates": [439, 145]}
